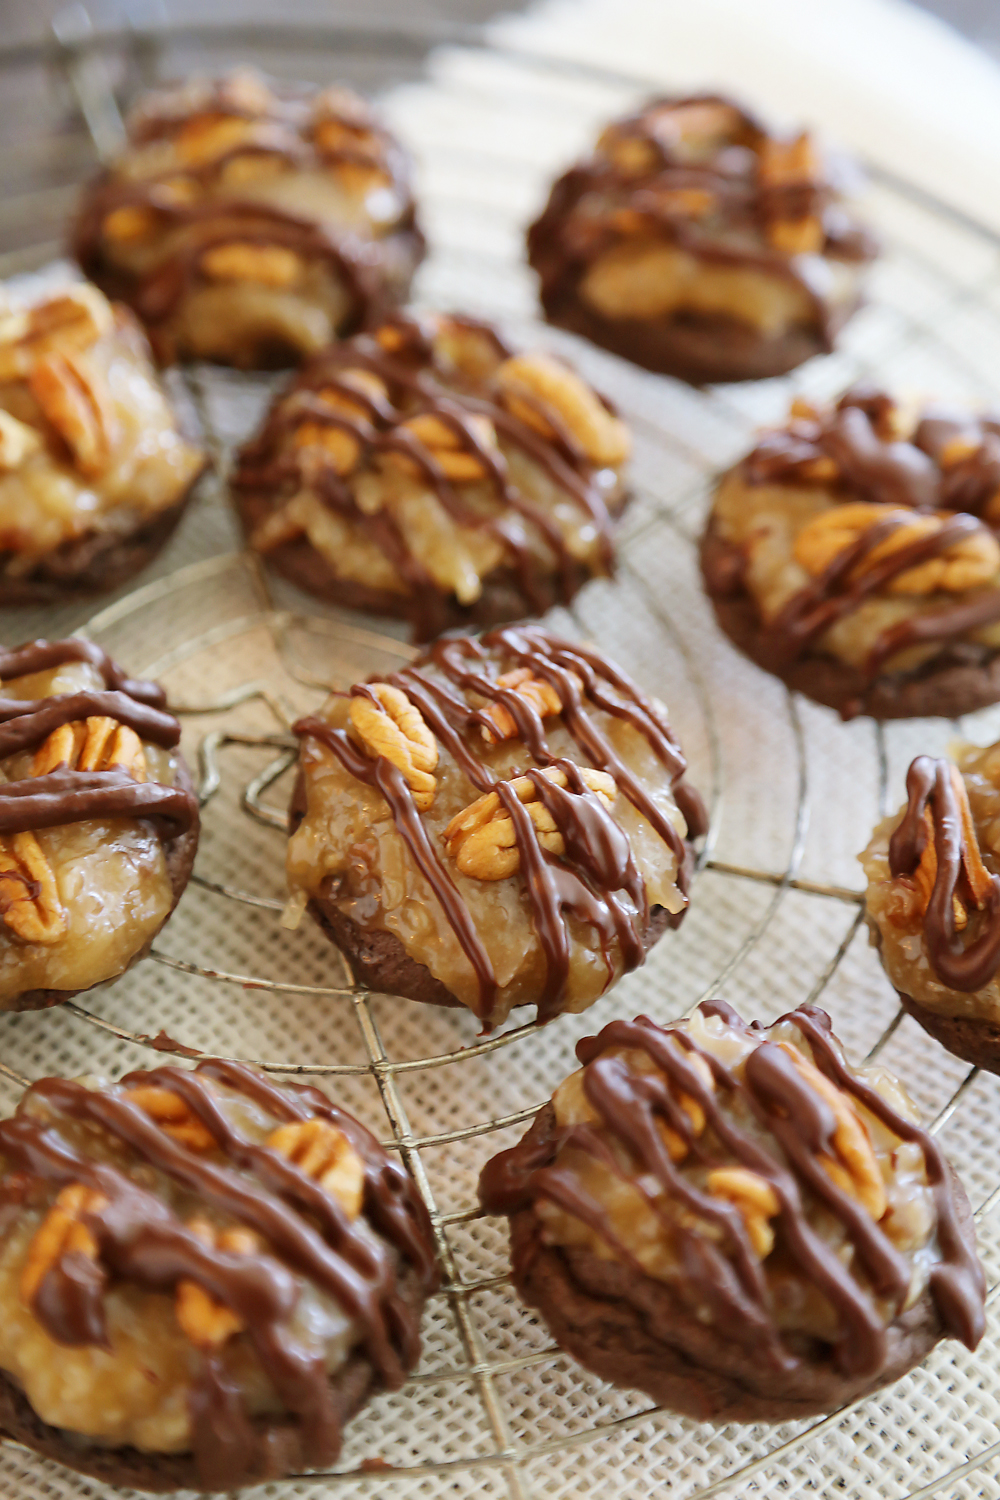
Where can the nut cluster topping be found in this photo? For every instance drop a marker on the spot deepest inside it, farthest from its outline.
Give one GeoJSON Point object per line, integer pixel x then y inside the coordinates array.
{"type": "Point", "coordinates": [63, 1231]}
{"type": "Point", "coordinates": [324, 1153]}
{"type": "Point", "coordinates": [481, 838]}
{"type": "Point", "coordinates": [75, 401]}
{"type": "Point", "coordinates": [388, 725]}
{"type": "Point", "coordinates": [970, 561]}
{"type": "Point", "coordinates": [553, 399]}
{"type": "Point", "coordinates": [207, 1323]}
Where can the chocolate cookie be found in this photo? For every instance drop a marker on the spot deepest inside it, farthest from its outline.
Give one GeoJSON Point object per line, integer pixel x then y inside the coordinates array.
{"type": "Point", "coordinates": [853, 553]}
{"type": "Point", "coordinates": [694, 242]}
{"type": "Point", "coordinates": [94, 471]}
{"type": "Point", "coordinates": [98, 821]}
{"type": "Point", "coordinates": [504, 822]}
{"type": "Point", "coordinates": [203, 1276]}
{"type": "Point", "coordinates": [933, 901]}
{"type": "Point", "coordinates": [736, 1221]}
{"type": "Point", "coordinates": [426, 472]}
{"type": "Point", "coordinates": [249, 224]}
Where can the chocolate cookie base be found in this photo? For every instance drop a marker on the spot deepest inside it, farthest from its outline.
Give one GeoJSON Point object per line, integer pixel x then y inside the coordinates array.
{"type": "Point", "coordinates": [973, 1040]}
{"type": "Point", "coordinates": [700, 350]}
{"type": "Point", "coordinates": [630, 1330]}
{"type": "Point", "coordinates": [941, 690]}
{"type": "Point", "coordinates": [503, 598]}
{"type": "Point", "coordinates": [179, 855]}
{"type": "Point", "coordinates": [94, 563]}
{"type": "Point", "coordinates": [279, 1452]}
{"type": "Point", "coordinates": [378, 958]}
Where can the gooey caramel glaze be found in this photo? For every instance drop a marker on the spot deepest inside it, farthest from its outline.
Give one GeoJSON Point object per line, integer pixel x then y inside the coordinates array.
{"type": "Point", "coordinates": [304, 1230]}
{"type": "Point", "coordinates": [68, 796]}
{"type": "Point", "coordinates": [597, 870]}
{"type": "Point", "coordinates": [724, 1272]}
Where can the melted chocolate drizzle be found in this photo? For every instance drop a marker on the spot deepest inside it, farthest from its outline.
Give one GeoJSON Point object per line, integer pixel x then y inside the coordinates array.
{"type": "Point", "coordinates": [598, 204]}
{"type": "Point", "coordinates": [596, 880]}
{"type": "Point", "coordinates": [285, 135]}
{"type": "Point", "coordinates": [66, 796]}
{"type": "Point", "coordinates": [722, 1272]}
{"type": "Point", "coordinates": [419, 384]}
{"type": "Point", "coordinates": [962, 965]}
{"type": "Point", "coordinates": [142, 1241]}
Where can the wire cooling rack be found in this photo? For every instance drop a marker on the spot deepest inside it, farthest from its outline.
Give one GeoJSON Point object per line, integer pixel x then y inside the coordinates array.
{"type": "Point", "coordinates": [493, 1408]}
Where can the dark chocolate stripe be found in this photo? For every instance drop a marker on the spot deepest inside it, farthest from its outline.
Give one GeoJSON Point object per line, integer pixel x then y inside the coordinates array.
{"type": "Point", "coordinates": [961, 966]}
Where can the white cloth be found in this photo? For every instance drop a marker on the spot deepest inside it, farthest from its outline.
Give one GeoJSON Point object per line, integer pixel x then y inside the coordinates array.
{"type": "Point", "coordinates": [896, 84]}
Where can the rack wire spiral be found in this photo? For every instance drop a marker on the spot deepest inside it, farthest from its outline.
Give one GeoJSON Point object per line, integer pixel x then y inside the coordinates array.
{"type": "Point", "coordinates": [494, 1409]}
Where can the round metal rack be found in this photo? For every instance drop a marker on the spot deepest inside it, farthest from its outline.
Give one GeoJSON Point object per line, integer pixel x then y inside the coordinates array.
{"type": "Point", "coordinates": [775, 920]}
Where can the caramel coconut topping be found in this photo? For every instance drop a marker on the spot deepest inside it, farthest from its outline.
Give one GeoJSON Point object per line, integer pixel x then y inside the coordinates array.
{"type": "Point", "coordinates": [228, 184]}
{"type": "Point", "coordinates": [890, 520]}
{"type": "Point", "coordinates": [515, 454]}
{"type": "Point", "coordinates": [536, 820]}
{"type": "Point", "coordinates": [218, 1229]}
{"type": "Point", "coordinates": [82, 756]}
{"type": "Point", "coordinates": [695, 182]}
{"type": "Point", "coordinates": [775, 1190]}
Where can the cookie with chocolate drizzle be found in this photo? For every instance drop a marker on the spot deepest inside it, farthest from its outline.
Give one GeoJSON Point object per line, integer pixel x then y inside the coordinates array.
{"type": "Point", "coordinates": [933, 900]}
{"type": "Point", "coordinates": [251, 224]}
{"type": "Point", "coordinates": [95, 469]}
{"type": "Point", "coordinates": [426, 472]}
{"type": "Point", "coordinates": [735, 1220]}
{"type": "Point", "coordinates": [98, 820]}
{"type": "Point", "coordinates": [696, 243]}
{"type": "Point", "coordinates": [854, 554]}
{"type": "Point", "coordinates": [503, 822]}
{"type": "Point", "coordinates": [203, 1275]}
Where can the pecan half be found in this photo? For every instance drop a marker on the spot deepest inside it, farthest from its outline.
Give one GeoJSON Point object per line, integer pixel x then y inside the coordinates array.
{"type": "Point", "coordinates": [541, 696]}
{"type": "Point", "coordinates": [553, 400]}
{"type": "Point", "coordinates": [755, 1198]}
{"type": "Point", "coordinates": [854, 1167]}
{"type": "Point", "coordinates": [966, 564]}
{"type": "Point", "coordinates": [29, 896]}
{"type": "Point", "coordinates": [173, 1115]}
{"type": "Point", "coordinates": [61, 1232]}
{"type": "Point", "coordinates": [75, 400]}
{"type": "Point", "coordinates": [94, 744]}
{"type": "Point", "coordinates": [269, 265]}
{"type": "Point", "coordinates": [324, 1153]}
{"type": "Point", "coordinates": [392, 727]}
{"type": "Point", "coordinates": [71, 320]}
{"type": "Point", "coordinates": [207, 1323]}
{"type": "Point", "coordinates": [481, 840]}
